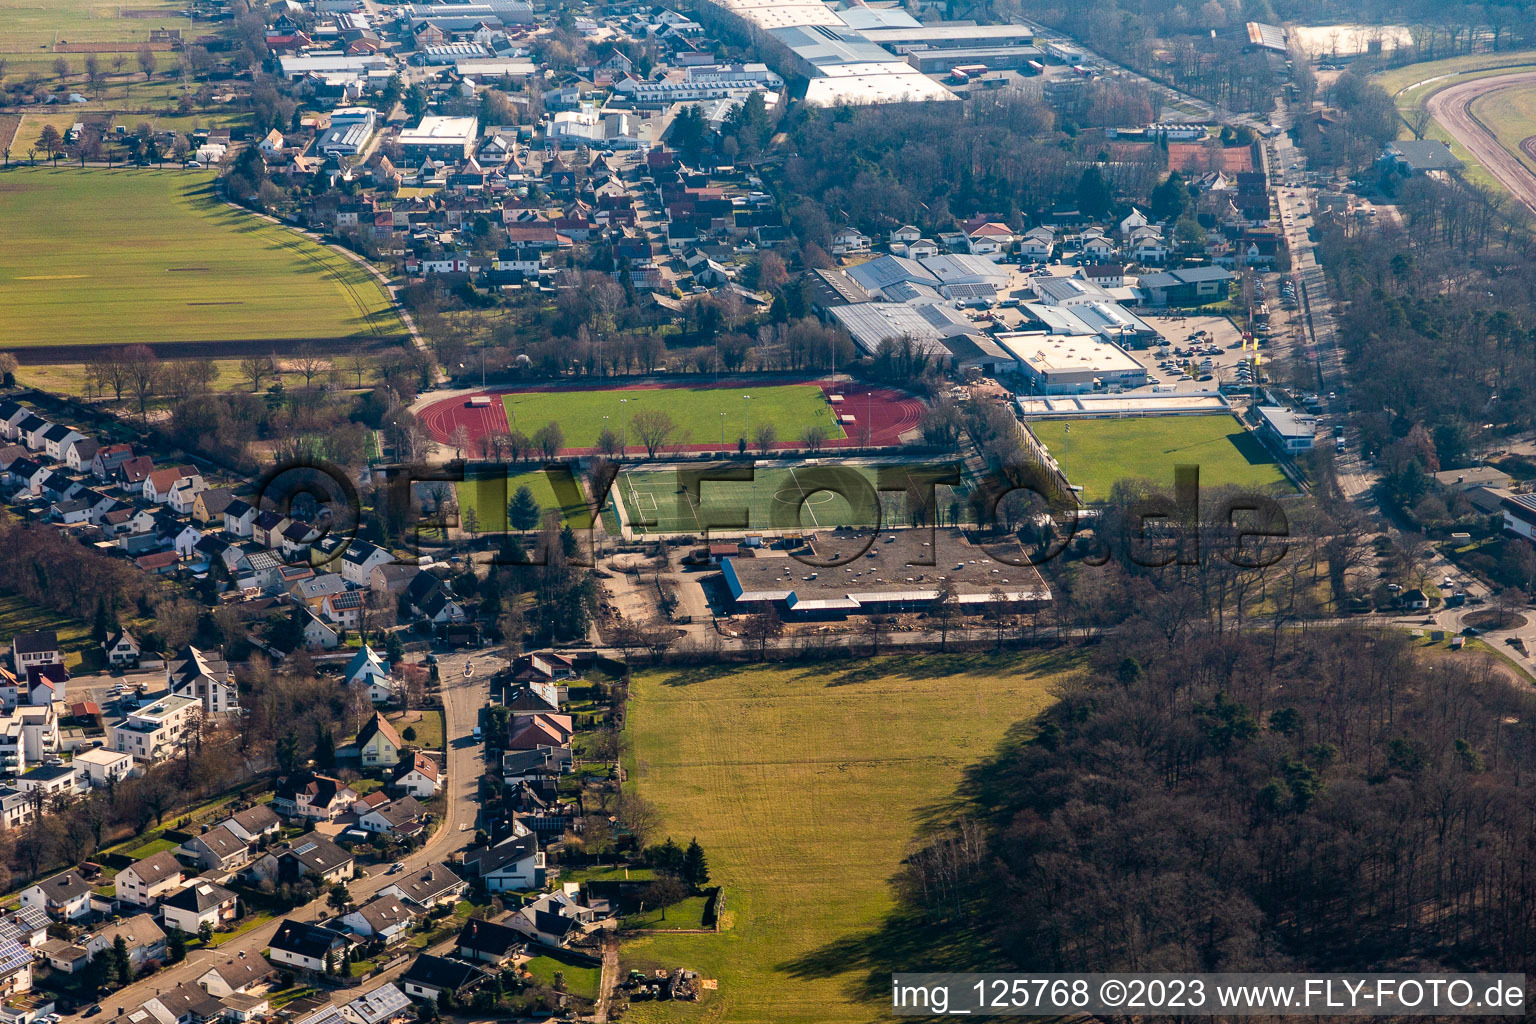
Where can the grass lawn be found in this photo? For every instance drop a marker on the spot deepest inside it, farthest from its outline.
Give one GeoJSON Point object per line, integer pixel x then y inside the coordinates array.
{"type": "Point", "coordinates": [807, 785]}
{"type": "Point", "coordinates": [579, 981]}
{"type": "Point", "coordinates": [1104, 451]}
{"type": "Point", "coordinates": [151, 848]}
{"type": "Point", "coordinates": [429, 727]}
{"type": "Point", "coordinates": [1398, 79]}
{"type": "Point", "coordinates": [249, 923]}
{"type": "Point", "coordinates": [791, 408]}
{"type": "Point", "coordinates": [152, 256]}
{"type": "Point", "coordinates": [70, 378]}
{"type": "Point", "coordinates": [552, 489]}
{"type": "Point", "coordinates": [1511, 115]}
{"type": "Point", "coordinates": [685, 915]}
{"type": "Point", "coordinates": [20, 616]}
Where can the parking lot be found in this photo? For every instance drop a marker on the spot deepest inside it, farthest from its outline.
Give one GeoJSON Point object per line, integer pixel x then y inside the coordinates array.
{"type": "Point", "coordinates": [1191, 342]}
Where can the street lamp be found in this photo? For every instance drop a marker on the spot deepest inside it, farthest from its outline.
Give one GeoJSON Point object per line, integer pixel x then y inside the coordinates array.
{"type": "Point", "coordinates": [722, 428]}
{"type": "Point", "coordinates": [746, 401]}
{"type": "Point", "coordinates": [624, 443]}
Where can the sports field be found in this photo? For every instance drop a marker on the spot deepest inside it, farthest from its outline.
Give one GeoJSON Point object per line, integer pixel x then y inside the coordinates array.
{"type": "Point", "coordinates": [554, 490]}
{"type": "Point", "coordinates": [697, 412]}
{"type": "Point", "coordinates": [807, 785]}
{"type": "Point", "coordinates": [659, 502]}
{"type": "Point", "coordinates": [117, 257]}
{"type": "Point", "coordinates": [1100, 452]}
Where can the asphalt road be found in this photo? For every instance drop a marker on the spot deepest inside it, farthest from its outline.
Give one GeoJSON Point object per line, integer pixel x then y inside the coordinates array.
{"type": "Point", "coordinates": [1450, 107]}
{"type": "Point", "coordinates": [462, 700]}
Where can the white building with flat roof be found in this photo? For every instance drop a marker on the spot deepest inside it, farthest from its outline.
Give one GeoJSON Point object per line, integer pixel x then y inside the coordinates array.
{"type": "Point", "coordinates": [151, 733]}
{"type": "Point", "coordinates": [1065, 364]}
{"type": "Point", "coordinates": [442, 138]}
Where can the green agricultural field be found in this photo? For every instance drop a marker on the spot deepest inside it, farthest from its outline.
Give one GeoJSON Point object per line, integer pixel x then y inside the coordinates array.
{"type": "Point", "coordinates": [1101, 452]}
{"type": "Point", "coordinates": [791, 408]}
{"type": "Point", "coordinates": [656, 501]}
{"type": "Point", "coordinates": [554, 489]}
{"type": "Point", "coordinates": [807, 785]}
{"type": "Point", "coordinates": [150, 256]}
{"type": "Point", "coordinates": [35, 31]}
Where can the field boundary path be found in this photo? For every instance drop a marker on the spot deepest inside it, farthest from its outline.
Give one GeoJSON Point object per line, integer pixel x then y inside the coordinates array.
{"type": "Point", "coordinates": [1452, 108]}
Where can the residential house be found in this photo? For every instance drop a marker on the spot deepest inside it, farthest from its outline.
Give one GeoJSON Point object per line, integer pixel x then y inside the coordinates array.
{"type": "Point", "coordinates": [384, 1005]}
{"type": "Point", "coordinates": [238, 518]}
{"type": "Point", "coordinates": [64, 897]}
{"type": "Point", "coordinates": [144, 938]}
{"type": "Point", "coordinates": [367, 669]}
{"type": "Point", "coordinates": [310, 854]}
{"type": "Point", "coordinates": [543, 667]}
{"type": "Point", "coordinates": [203, 675]}
{"type": "Point", "coordinates": [533, 699]}
{"type": "Point", "coordinates": [236, 975]}
{"type": "Point", "coordinates": [489, 942]}
{"type": "Point", "coordinates": [528, 732]}
{"type": "Point", "coordinates": [53, 780]}
{"type": "Point", "coordinates": [37, 648]}
{"type": "Point", "coordinates": [306, 946]}
{"type": "Point", "coordinates": [359, 560]}
{"type": "Point", "coordinates": [105, 463]}
{"type": "Point", "coordinates": [200, 902]}
{"type": "Point", "coordinates": [386, 918]}
{"type": "Point", "coordinates": [417, 774]}
{"type": "Point", "coordinates": [217, 851]}
{"type": "Point", "coordinates": [210, 505]}
{"type": "Point", "coordinates": [313, 797]}
{"type": "Point", "coordinates": [344, 610]}
{"type": "Point", "coordinates": [104, 768]}
{"type": "Point", "coordinates": [432, 886]}
{"type": "Point", "coordinates": [400, 818]}
{"type": "Point", "coordinates": [432, 977]}
{"type": "Point", "coordinates": [511, 864]}
{"type": "Point", "coordinates": [132, 472]}
{"type": "Point", "coordinates": [267, 528]}
{"type": "Point", "coordinates": [153, 733]}
{"type": "Point", "coordinates": [253, 823]}
{"type": "Point", "coordinates": [378, 744]}
{"type": "Point", "coordinates": [318, 633]}
{"type": "Point", "coordinates": [159, 484]}
{"type": "Point", "coordinates": [143, 882]}
{"type": "Point", "coordinates": [122, 650]}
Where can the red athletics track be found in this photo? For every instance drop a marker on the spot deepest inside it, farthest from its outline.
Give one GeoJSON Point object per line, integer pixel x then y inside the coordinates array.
{"type": "Point", "coordinates": [891, 412]}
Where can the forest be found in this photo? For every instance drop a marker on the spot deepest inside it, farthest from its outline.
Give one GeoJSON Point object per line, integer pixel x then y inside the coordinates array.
{"type": "Point", "coordinates": [1191, 804]}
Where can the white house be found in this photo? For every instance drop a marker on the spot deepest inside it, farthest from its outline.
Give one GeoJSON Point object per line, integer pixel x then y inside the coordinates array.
{"type": "Point", "coordinates": [513, 864]}
{"type": "Point", "coordinates": [199, 903]}
{"type": "Point", "coordinates": [367, 669]}
{"type": "Point", "coordinates": [305, 946]}
{"type": "Point", "coordinates": [64, 897]}
{"type": "Point", "coordinates": [122, 649]}
{"type": "Point", "coordinates": [145, 881]}
{"type": "Point", "coordinates": [418, 775]}
{"type": "Point", "coordinates": [104, 767]}
{"type": "Point", "coordinates": [359, 559]}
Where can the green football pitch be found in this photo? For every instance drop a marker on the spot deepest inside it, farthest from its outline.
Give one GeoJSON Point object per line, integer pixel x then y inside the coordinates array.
{"type": "Point", "coordinates": [1098, 453]}
{"type": "Point", "coordinates": [776, 498]}
{"type": "Point", "coordinates": [702, 415]}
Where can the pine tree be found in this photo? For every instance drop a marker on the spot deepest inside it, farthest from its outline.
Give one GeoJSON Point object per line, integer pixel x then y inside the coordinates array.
{"type": "Point", "coordinates": [394, 649]}
{"type": "Point", "coordinates": [176, 945]}
{"type": "Point", "coordinates": [695, 866]}
{"type": "Point", "coordinates": [523, 512]}
{"type": "Point", "coordinates": [122, 966]}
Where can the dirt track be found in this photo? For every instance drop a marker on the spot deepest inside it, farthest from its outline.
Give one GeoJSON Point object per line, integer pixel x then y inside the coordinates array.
{"type": "Point", "coordinates": [1450, 108]}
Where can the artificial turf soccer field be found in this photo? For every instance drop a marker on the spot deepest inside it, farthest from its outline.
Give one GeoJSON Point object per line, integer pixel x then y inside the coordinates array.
{"type": "Point", "coordinates": [97, 257]}
{"type": "Point", "coordinates": [657, 502]}
{"type": "Point", "coordinates": [791, 408]}
{"type": "Point", "coordinates": [1101, 452]}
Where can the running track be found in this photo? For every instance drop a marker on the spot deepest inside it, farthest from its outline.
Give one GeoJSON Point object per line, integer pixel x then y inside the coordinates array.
{"type": "Point", "coordinates": [1452, 108]}
{"type": "Point", "coordinates": [891, 412]}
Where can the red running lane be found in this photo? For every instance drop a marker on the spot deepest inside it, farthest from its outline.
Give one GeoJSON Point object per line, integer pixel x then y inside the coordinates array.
{"type": "Point", "coordinates": [890, 412]}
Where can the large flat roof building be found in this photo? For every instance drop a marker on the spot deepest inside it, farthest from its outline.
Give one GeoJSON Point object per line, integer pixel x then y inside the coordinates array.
{"type": "Point", "coordinates": [443, 138]}
{"type": "Point", "coordinates": [888, 577]}
{"type": "Point", "coordinates": [1065, 364]}
{"type": "Point", "coordinates": [897, 38]}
